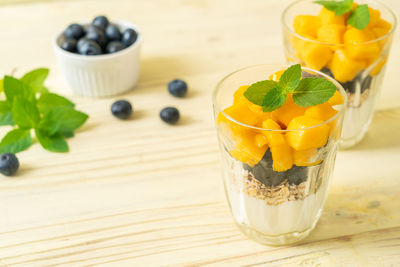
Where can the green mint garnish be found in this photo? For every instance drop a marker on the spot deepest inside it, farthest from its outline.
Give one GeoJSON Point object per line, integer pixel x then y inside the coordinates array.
{"type": "Point", "coordinates": [306, 92]}
{"type": "Point", "coordinates": [339, 7]}
{"type": "Point", "coordinates": [358, 18]}
{"type": "Point", "coordinates": [29, 106]}
{"type": "Point", "coordinates": [256, 92]}
{"type": "Point", "coordinates": [313, 91]}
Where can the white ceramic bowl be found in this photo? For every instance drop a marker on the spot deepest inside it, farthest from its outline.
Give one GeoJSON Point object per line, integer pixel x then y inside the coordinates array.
{"type": "Point", "coordinates": [101, 75]}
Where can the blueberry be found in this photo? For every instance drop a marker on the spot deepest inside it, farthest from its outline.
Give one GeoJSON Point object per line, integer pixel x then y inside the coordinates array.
{"type": "Point", "coordinates": [114, 46]}
{"type": "Point", "coordinates": [121, 109]}
{"type": "Point", "coordinates": [100, 22]}
{"type": "Point", "coordinates": [112, 33]}
{"type": "Point", "coordinates": [366, 83]}
{"type": "Point", "coordinates": [89, 48]}
{"type": "Point", "coordinates": [80, 43]}
{"type": "Point", "coordinates": [297, 174]}
{"type": "Point", "coordinates": [91, 28]}
{"type": "Point", "coordinates": [129, 36]}
{"type": "Point", "coordinates": [69, 45]}
{"type": "Point", "coordinates": [74, 31]}
{"type": "Point", "coordinates": [327, 72]}
{"type": "Point", "coordinates": [9, 164]}
{"type": "Point", "coordinates": [177, 88]}
{"type": "Point", "coordinates": [170, 115]}
{"type": "Point", "coordinates": [97, 36]}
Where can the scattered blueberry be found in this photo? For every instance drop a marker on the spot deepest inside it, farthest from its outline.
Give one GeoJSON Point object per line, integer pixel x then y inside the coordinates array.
{"type": "Point", "coordinates": [80, 43]}
{"type": "Point", "coordinates": [89, 48]}
{"type": "Point", "coordinates": [100, 22]}
{"type": "Point", "coordinates": [112, 33]}
{"type": "Point", "coordinates": [69, 45]}
{"type": "Point", "coordinates": [98, 37]}
{"type": "Point", "coordinates": [129, 36]}
{"type": "Point", "coordinates": [74, 31]}
{"type": "Point", "coordinates": [9, 164]}
{"type": "Point", "coordinates": [114, 46]}
{"type": "Point", "coordinates": [170, 115]}
{"type": "Point", "coordinates": [121, 109]}
{"type": "Point", "coordinates": [177, 88]}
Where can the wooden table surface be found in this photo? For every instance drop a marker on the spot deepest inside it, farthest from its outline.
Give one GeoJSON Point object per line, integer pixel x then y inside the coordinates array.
{"type": "Point", "coordinates": [143, 193]}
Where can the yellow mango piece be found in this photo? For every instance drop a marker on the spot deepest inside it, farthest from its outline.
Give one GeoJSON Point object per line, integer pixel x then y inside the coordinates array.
{"type": "Point", "coordinates": [305, 157]}
{"type": "Point", "coordinates": [299, 43]}
{"type": "Point", "coordinates": [274, 138]}
{"type": "Point", "coordinates": [288, 111]}
{"type": "Point", "coordinates": [246, 150]}
{"type": "Point", "coordinates": [379, 32]}
{"type": "Point", "coordinates": [321, 112]}
{"type": "Point", "coordinates": [329, 17]}
{"type": "Point", "coordinates": [282, 157]}
{"type": "Point", "coordinates": [379, 65]}
{"type": "Point", "coordinates": [381, 23]}
{"type": "Point", "coordinates": [374, 17]}
{"type": "Point", "coordinates": [306, 139]}
{"type": "Point", "coordinates": [238, 94]}
{"type": "Point", "coordinates": [306, 25]}
{"type": "Point", "coordinates": [331, 33]}
{"type": "Point", "coordinates": [336, 99]}
{"type": "Point", "coordinates": [260, 140]}
{"type": "Point", "coordinates": [316, 56]}
{"type": "Point", "coordinates": [344, 68]}
{"type": "Point", "coordinates": [242, 113]}
{"type": "Point", "coordinates": [276, 76]}
{"type": "Point", "coordinates": [356, 48]}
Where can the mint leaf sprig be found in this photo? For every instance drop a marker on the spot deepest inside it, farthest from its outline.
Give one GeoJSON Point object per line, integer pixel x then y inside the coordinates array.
{"type": "Point", "coordinates": [28, 106]}
{"type": "Point", "coordinates": [358, 18]}
{"type": "Point", "coordinates": [271, 95]}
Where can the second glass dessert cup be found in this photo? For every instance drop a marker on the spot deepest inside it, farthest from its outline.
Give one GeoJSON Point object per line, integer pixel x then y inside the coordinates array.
{"type": "Point", "coordinates": [357, 64]}
{"type": "Point", "coordinates": [272, 207]}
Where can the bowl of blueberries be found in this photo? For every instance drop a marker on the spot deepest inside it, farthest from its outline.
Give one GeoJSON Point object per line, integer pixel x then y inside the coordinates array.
{"type": "Point", "coordinates": [99, 58]}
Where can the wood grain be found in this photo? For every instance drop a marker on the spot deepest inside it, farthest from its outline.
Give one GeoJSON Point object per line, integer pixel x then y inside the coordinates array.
{"type": "Point", "coordinates": [143, 193]}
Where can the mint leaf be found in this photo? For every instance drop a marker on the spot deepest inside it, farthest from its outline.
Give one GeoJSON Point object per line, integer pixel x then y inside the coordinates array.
{"type": "Point", "coordinates": [50, 100]}
{"type": "Point", "coordinates": [14, 87]}
{"type": "Point", "coordinates": [25, 113]}
{"type": "Point", "coordinates": [290, 78]}
{"type": "Point", "coordinates": [61, 119]}
{"type": "Point", "coordinates": [16, 141]}
{"type": "Point", "coordinates": [36, 78]}
{"type": "Point", "coordinates": [5, 114]}
{"type": "Point", "coordinates": [55, 143]}
{"type": "Point", "coordinates": [339, 7]}
{"type": "Point", "coordinates": [359, 18]}
{"type": "Point", "coordinates": [67, 134]}
{"type": "Point", "coordinates": [313, 91]}
{"type": "Point", "coordinates": [256, 92]}
{"type": "Point", "coordinates": [274, 99]}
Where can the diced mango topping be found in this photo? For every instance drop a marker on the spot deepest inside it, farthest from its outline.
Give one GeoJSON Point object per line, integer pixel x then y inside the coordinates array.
{"type": "Point", "coordinates": [358, 48]}
{"type": "Point", "coordinates": [287, 147]}
{"type": "Point", "coordinates": [314, 137]}
{"type": "Point", "coordinates": [336, 99]}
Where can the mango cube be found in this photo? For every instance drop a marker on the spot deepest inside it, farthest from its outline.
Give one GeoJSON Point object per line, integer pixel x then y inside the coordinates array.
{"type": "Point", "coordinates": [307, 139]}
{"type": "Point", "coordinates": [306, 25]}
{"type": "Point", "coordinates": [321, 112]}
{"type": "Point", "coordinates": [331, 33]}
{"type": "Point", "coordinates": [336, 99]}
{"type": "Point", "coordinates": [315, 55]}
{"type": "Point", "coordinates": [306, 157]}
{"type": "Point", "coordinates": [276, 76]}
{"type": "Point", "coordinates": [288, 111]}
{"type": "Point", "coordinates": [356, 48]}
{"type": "Point", "coordinates": [282, 157]}
{"type": "Point", "coordinates": [274, 138]}
{"type": "Point", "coordinates": [381, 23]}
{"type": "Point", "coordinates": [246, 150]}
{"type": "Point", "coordinates": [344, 68]}
{"type": "Point", "coordinates": [260, 140]}
{"type": "Point", "coordinates": [374, 17]}
{"type": "Point", "coordinates": [329, 17]}
{"type": "Point", "coordinates": [238, 94]}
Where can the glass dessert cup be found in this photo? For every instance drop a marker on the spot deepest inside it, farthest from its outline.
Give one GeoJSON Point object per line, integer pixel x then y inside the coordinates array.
{"type": "Point", "coordinates": [358, 66]}
{"type": "Point", "coordinates": [272, 207]}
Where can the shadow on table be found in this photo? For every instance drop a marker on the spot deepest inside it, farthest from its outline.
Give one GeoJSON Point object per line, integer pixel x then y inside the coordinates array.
{"type": "Point", "coordinates": [384, 131]}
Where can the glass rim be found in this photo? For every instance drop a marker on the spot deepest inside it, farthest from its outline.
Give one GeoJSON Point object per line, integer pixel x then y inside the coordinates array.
{"type": "Point", "coordinates": [288, 28]}
{"type": "Point", "coordinates": [336, 83]}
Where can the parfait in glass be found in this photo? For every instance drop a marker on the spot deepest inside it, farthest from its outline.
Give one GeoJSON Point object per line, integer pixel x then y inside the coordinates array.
{"type": "Point", "coordinates": [349, 43]}
{"type": "Point", "coordinates": [277, 162]}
